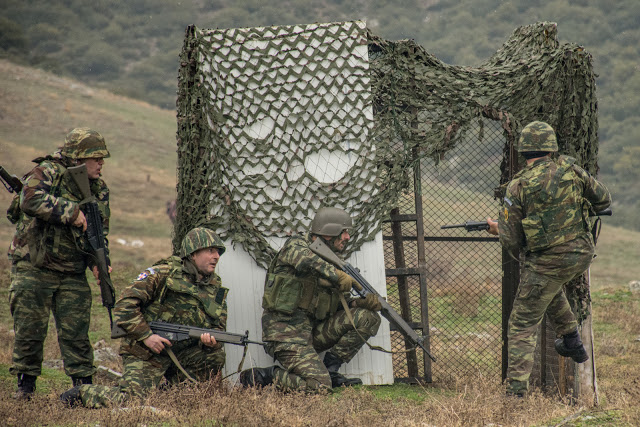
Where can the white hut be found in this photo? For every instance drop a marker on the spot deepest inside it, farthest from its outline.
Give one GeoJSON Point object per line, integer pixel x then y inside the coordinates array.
{"type": "Point", "coordinates": [273, 123]}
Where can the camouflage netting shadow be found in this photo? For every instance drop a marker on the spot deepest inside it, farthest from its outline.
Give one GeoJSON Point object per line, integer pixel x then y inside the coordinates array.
{"type": "Point", "coordinates": [274, 122]}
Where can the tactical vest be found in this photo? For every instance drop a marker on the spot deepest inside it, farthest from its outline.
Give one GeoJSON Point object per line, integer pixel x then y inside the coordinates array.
{"type": "Point", "coordinates": [553, 205]}
{"type": "Point", "coordinates": [56, 246]}
{"type": "Point", "coordinates": [183, 302]}
{"type": "Point", "coordinates": [285, 293]}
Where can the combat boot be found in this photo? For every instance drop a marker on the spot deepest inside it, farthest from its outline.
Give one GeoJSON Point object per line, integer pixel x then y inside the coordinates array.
{"type": "Point", "coordinates": [71, 397]}
{"type": "Point", "coordinates": [26, 387]}
{"type": "Point", "coordinates": [570, 345]}
{"type": "Point", "coordinates": [81, 380]}
{"type": "Point", "coordinates": [257, 377]}
{"type": "Point", "coordinates": [333, 363]}
{"type": "Point", "coordinates": [517, 389]}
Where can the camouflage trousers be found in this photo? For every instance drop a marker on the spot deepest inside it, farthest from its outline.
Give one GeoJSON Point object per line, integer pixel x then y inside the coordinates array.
{"type": "Point", "coordinates": [303, 369]}
{"type": "Point", "coordinates": [141, 376]}
{"type": "Point", "coordinates": [33, 295]}
{"type": "Point", "coordinates": [541, 291]}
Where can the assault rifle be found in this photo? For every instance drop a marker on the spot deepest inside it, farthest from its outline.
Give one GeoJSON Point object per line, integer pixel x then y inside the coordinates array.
{"type": "Point", "coordinates": [470, 225]}
{"type": "Point", "coordinates": [11, 182]}
{"type": "Point", "coordinates": [484, 225]}
{"type": "Point", "coordinates": [175, 332]}
{"type": "Point", "coordinates": [394, 318]}
{"type": "Point", "coordinates": [95, 236]}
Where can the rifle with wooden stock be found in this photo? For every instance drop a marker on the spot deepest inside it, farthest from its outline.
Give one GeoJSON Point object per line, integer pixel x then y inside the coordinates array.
{"type": "Point", "coordinates": [321, 249]}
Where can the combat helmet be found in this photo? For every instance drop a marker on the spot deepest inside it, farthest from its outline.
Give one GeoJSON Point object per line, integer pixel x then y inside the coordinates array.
{"type": "Point", "coordinates": [84, 143]}
{"type": "Point", "coordinates": [330, 222]}
{"type": "Point", "coordinates": [537, 136]}
{"type": "Point", "coordinates": [200, 238]}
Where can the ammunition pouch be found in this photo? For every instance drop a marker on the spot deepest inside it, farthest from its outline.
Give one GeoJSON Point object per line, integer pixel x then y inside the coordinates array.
{"type": "Point", "coordinates": [284, 294]}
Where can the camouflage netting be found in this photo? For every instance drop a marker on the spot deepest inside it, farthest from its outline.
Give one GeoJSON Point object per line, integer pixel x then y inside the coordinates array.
{"type": "Point", "coordinates": [274, 122]}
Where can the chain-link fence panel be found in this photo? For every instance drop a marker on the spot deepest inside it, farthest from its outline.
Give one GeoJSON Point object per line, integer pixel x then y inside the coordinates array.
{"type": "Point", "coordinates": [464, 271]}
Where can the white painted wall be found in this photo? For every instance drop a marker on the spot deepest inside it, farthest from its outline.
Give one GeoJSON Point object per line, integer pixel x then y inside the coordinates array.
{"type": "Point", "coordinates": [245, 280]}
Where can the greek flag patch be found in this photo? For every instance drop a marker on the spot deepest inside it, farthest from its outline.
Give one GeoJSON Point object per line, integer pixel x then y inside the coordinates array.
{"type": "Point", "coordinates": [144, 274]}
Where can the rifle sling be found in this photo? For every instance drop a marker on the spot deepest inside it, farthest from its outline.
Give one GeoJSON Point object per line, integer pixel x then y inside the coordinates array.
{"type": "Point", "coordinates": [175, 361]}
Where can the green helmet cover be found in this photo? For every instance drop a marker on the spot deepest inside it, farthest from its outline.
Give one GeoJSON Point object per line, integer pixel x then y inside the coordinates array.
{"type": "Point", "coordinates": [84, 143]}
{"type": "Point", "coordinates": [537, 136]}
{"type": "Point", "coordinates": [331, 222]}
{"type": "Point", "coordinates": [200, 238]}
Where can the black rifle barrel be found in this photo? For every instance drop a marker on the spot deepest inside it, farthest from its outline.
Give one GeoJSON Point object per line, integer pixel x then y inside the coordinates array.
{"type": "Point", "coordinates": [95, 236]}
{"type": "Point", "coordinates": [175, 332]}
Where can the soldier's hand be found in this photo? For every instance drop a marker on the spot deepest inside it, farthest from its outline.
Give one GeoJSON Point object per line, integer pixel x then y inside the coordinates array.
{"type": "Point", "coordinates": [156, 343]}
{"type": "Point", "coordinates": [80, 221]}
{"type": "Point", "coordinates": [493, 227]}
{"type": "Point", "coordinates": [208, 340]}
{"type": "Point", "coordinates": [370, 302]}
{"type": "Point", "coordinates": [346, 282]}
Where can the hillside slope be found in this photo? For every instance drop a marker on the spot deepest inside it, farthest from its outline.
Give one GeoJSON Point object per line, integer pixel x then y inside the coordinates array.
{"type": "Point", "coordinates": [37, 111]}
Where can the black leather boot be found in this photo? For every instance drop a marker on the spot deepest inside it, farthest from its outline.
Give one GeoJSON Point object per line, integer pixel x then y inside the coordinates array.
{"type": "Point", "coordinates": [333, 363]}
{"type": "Point", "coordinates": [26, 387]}
{"type": "Point", "coordinates": [81, 380]}
{"type": "Point", "coordinates": [257, 377]}
{"type": "Point", "coordinates": [570, 345]}
{"type": "Point", "coordinates": [71, 397]}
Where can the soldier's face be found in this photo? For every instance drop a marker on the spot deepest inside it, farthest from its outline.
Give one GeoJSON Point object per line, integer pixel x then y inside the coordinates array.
{"type": "Point", "coordinates": [94, 166]}
{"type": "Point", "coordinates": [206, 260]}
{"type": "Point", "coordinates": [340, 242]}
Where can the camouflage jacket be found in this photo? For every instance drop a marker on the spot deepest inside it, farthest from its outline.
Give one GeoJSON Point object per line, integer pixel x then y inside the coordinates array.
{"type": "Point", "coordinates": [169, 291]}
{"type": "Point", "coordinates": [49, 203]}
{"type": "Point", "coordinates": [547, 204]}
{"type": "Point", "coordinates": [295, 259]}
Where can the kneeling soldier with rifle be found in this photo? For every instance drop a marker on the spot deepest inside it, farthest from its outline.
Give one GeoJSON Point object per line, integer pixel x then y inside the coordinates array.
{"type": "Point", "coordinates": [301, 317]}
{"type": "Point", "coordinates": [50, 253]}
{"type": "Point", "coordinates": [177, 291]}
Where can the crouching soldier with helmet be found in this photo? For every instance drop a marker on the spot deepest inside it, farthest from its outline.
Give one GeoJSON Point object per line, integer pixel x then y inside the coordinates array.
{"type": "Point", "coordinates": [303, 314]}
{"type": "Point", "coordinates": [49, 257]}
{"type": "Point", "coordinates": [182, 290]}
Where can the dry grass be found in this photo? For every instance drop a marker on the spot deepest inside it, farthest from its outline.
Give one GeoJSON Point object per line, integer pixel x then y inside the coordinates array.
{"type": "Point", "coordinates": [480, 403]}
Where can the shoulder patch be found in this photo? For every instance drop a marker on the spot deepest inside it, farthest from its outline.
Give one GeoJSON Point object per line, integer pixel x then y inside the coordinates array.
{"type": "Point", "coordinates": [145, 274]}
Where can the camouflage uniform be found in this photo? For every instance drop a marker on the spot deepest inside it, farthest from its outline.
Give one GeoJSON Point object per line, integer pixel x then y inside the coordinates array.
{"type": "Point", "coordinates": [175, 292]}
{"type": "Point", "coordinates": [545, 217]}
{"type": "Point", "coordinates": [49, 259]}
{"type": "Point", "coordinates": [295, 330]}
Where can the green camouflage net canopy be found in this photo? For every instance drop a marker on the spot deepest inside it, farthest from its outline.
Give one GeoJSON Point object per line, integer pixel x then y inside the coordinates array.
{"type": "Point", "coordinates": [275, 122]}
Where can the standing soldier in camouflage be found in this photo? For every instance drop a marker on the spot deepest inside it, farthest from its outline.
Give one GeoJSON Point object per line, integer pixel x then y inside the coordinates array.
{"type": "Point", "coordinates": [301, 313]}
{"type": "Point", "coordinates": [545, 218]}
{"type": "Point", "coordinates": [49, 256]}
{"type": "Point", "coordinates": [181, 289]}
